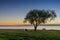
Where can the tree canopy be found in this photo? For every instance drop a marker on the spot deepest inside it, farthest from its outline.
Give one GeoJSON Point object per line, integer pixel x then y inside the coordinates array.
{"type": "Point", "coordinates": [36, 17]}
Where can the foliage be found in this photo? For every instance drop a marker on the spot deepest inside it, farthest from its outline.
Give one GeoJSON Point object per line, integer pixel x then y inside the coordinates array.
{"type": "Point", "coordinates": [35, 17]}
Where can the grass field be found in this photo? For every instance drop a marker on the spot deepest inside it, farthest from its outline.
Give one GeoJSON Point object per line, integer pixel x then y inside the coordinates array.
{"type": "Point", "coordinates": [29, 35]}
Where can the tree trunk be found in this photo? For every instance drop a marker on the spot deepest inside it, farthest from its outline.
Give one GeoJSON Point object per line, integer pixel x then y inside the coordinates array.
{"type": "Point", "coordinates": [35, 28]}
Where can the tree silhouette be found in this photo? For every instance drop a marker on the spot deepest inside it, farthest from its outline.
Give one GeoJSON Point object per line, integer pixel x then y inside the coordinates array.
{"type": "Point", "coordinates": [36, 17]}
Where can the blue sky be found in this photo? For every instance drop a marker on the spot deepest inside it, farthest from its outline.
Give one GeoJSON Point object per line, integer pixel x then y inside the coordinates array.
{"type": "Point", "coordinates": [14, 11]}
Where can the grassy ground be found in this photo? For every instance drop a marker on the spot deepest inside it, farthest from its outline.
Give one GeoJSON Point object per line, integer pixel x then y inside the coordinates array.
{"type": "Point", "coordinates": [29, 35]}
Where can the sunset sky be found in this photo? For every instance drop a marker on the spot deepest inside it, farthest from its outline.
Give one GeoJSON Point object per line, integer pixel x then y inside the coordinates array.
{"type": "Point", "coordinates": [12, 12]}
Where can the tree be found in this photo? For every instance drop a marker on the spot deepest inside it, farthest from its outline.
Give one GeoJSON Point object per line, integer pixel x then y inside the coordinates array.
{"type": "Point", "coordinates": [36, 17]}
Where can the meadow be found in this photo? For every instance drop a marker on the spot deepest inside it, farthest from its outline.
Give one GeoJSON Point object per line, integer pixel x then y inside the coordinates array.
{"type": "Point", "coordinates": [17, 34]}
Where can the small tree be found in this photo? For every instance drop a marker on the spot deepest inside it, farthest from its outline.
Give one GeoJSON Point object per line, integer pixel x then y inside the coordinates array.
{"type": "Point", "coordinates": [36, 17]}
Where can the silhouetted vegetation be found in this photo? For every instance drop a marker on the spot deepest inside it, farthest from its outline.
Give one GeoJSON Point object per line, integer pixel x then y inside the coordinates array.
{"type": "Point", "coordinates": [36, 17]}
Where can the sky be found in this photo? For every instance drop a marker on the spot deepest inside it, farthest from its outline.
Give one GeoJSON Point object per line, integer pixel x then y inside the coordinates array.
{"type": "Point", "coordinates": [13, 12]}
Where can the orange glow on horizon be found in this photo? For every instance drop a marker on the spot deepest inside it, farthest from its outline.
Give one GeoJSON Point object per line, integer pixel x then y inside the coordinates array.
{"type": "Point", "coordinates": [22, 23]}
{"type": "Point", "coordinates": [53, 22]}
{"type": "Point", "coordinates": [12, 23]}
